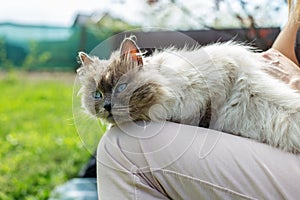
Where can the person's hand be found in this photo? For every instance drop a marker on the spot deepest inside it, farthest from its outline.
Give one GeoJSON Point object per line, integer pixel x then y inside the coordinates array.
{"type": "Point", "coordinates": [282, 68]}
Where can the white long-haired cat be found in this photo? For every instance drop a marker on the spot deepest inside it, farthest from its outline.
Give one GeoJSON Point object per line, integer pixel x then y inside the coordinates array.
{"type": "Point", "coordinates": [224, 86]}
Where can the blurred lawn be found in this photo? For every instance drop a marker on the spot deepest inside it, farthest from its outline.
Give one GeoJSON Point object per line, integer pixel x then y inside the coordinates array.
{"type": "Point", "coordinates": [39, 145]}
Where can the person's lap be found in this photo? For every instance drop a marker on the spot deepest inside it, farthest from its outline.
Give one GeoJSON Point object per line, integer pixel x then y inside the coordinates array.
{"type": "Point", "coordinates": [175, 161]}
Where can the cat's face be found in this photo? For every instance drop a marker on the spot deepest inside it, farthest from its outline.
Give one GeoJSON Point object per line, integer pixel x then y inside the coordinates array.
{"type": "Point", "coordinates": [119, 90]}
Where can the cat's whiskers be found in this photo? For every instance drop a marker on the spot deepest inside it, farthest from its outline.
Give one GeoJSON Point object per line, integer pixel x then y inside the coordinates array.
{"type": "Point", "coordinates": [122, 108]}
{"type": "Point", "coordinates": [118, 107]}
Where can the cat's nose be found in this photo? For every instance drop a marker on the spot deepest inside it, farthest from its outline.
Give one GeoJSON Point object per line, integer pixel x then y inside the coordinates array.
{"type": "Point", "coordinates": [107, 106]}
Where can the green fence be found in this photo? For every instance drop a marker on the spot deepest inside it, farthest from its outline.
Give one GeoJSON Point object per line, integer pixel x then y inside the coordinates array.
{"type": "Point", "coordinates": [46, 47]}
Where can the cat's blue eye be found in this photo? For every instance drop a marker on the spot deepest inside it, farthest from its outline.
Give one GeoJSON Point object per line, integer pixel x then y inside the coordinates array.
{"type": "Point", "coordinates": [121, 87]}
{"type": "Point", "coordinates": [97, 95]}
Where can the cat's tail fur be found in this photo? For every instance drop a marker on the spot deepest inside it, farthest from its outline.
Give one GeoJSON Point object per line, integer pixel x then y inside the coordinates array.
{"type": "Point", "coordinates": [294, 10]}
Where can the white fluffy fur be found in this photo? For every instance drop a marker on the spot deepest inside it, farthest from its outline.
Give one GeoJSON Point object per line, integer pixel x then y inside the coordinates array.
{"type": "Point", "coordinates": [231, 79]}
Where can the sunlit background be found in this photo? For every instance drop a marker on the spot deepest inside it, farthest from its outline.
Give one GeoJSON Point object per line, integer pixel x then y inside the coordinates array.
{"type": "Point", "coordinates": [192, 14]}
{"type": "Point", "coordinates": [41, 148]}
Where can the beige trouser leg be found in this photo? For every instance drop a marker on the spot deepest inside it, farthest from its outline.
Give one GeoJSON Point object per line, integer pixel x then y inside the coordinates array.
{"type": "Point", "coordinates": [173, 161]}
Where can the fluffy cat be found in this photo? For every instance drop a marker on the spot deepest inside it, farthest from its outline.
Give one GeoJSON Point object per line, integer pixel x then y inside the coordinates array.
{"type": "Point", "coordinates": [223, 86]}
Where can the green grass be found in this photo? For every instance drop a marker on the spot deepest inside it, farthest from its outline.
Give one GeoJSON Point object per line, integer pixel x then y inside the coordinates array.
{"type": "Point", "coordinates": [39, 145]}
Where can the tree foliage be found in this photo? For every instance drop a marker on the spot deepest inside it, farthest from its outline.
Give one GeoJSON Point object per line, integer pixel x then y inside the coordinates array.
{"type": "Point", "coordinates": [215, 14]}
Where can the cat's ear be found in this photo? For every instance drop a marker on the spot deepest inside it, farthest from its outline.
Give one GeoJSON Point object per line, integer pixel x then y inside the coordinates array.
{"type": "Point", "coordinates": [84, 58]}
{"type": "Point", "coordinates": [130, 50]}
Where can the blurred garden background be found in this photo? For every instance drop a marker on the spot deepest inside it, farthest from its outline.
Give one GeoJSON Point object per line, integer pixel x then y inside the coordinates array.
{"type": "Point", "coordinates": [39, 41]}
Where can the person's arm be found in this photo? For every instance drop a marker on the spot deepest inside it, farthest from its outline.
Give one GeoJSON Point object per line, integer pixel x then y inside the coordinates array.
{"type": "Point", "coordinates": [285, 41]}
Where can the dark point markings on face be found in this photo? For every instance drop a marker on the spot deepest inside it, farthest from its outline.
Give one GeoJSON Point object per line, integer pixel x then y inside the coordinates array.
{"type": "Point", "coordinates": [145, 95]}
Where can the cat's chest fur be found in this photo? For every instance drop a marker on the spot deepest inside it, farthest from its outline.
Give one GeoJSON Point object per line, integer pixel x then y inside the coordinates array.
{"type": "Point", "coordinates": [229, 83]}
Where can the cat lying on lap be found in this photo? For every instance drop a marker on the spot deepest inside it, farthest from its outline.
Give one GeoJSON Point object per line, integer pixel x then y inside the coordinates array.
{"type": "Point", "coordinates": [223, 86]}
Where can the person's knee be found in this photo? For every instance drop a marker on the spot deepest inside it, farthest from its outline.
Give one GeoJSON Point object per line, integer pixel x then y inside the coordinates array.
{"type": "Point", "coordinates": [120, 148]}
{"type": "Point", "coordinates": [145, 146]}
